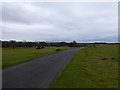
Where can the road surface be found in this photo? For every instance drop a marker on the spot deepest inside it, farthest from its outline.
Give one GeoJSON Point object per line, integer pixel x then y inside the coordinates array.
{"type": "Point", "coordinates": [38, 73]}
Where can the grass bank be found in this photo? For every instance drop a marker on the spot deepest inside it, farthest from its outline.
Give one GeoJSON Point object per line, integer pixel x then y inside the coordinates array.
{"type": "Point", "coordinates": [19, 55]}
{"type": "Point", "coordinates": [91, 68]}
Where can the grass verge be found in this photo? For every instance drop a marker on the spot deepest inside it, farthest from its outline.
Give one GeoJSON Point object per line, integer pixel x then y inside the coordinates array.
{"type": "Point", "coordinates": [19, 55]}
{"type": "Point", "coordinates": [91, 68]}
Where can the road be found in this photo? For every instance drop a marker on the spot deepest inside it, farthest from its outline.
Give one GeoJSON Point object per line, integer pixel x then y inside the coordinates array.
{"type": "Point", "coordinates": [38, 73]}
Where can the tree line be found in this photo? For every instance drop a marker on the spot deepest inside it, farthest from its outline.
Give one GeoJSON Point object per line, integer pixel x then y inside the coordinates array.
{"type": "Point", "coordinates": [13, 44]}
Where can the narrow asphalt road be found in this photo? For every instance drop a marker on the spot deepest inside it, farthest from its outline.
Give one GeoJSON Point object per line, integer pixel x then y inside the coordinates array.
{"type": "Point", "coordinates": [39, 73]}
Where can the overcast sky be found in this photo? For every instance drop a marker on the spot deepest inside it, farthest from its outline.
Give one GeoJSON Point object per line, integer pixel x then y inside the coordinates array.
{"type": "Point", "coordinates": [82, 22]}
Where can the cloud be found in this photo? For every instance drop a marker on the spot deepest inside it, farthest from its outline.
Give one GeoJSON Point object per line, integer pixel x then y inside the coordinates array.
{"type": "Point", "coordinates": [83, 22]}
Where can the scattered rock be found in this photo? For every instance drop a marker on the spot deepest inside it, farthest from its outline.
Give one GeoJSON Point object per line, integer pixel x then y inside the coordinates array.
{"type": "Point", "coordinates": [58, 49]}
{"type": "Point", "coordinates": [113, 58]}
{"type": "Point", "coordinates": [104, 58]}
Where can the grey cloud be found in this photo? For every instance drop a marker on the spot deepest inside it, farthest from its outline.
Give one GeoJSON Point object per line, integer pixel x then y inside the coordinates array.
{"type": "Point", "coordinates": [82, 22]}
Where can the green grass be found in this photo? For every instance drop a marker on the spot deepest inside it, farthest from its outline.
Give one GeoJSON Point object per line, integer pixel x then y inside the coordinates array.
{"type": "Point", "coordinates": [19, 55]}
{"type": "Point", "coordinates": [88, 70]}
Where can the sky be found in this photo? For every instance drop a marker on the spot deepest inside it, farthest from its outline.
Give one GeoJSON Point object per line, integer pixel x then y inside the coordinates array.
{"type": "Point", "coordinates": [60, 21]}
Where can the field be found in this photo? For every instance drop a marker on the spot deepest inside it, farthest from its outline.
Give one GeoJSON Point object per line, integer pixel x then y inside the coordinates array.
{"type": "Point", "coordinates": [91, 68]}
{"type": "Point", "coordinates": [19, 55]}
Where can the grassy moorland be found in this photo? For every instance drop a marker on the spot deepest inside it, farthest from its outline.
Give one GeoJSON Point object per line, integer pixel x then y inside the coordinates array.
{"type": "Point", "coordinates": [91, 68]}
{"type": "Point", "coordinates": [19, 55]}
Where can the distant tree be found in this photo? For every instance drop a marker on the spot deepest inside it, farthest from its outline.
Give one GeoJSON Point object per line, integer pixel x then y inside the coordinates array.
{"type": "Point", "coordinates": [74, 42]}
{"type": "Point", "coordinates": [63, 44]}
{"type": "Point", "coordinates": [13, 42]}
{"type": "Point", "coordinates": [43, 43]}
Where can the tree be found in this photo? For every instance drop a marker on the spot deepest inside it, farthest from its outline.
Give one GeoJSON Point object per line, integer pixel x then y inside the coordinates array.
{"type": "Point", "coordinates": [74, 42]}
{"type": "Point", "coordinates": [63, 44]}
{"type": "Point", "coordinates": [12, 42]}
